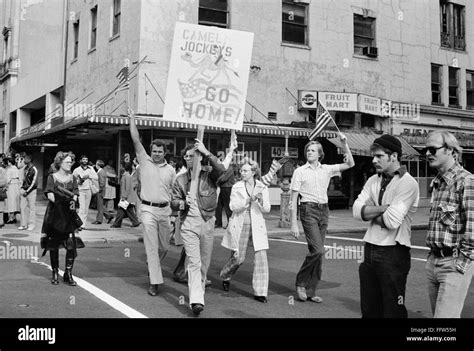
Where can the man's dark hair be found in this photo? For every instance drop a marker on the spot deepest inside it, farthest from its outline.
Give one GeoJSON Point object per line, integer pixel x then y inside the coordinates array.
{"type": "Point", "coordinates": [84, 156]}
{"type": "Point", "coordinates": [158, 143]}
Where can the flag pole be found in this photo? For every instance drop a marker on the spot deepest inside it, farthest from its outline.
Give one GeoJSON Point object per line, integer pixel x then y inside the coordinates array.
{"type": "Point", "coordinates": [332, 119]}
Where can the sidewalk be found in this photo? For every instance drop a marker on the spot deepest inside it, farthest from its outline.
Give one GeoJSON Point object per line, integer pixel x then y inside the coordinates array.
{"type": "Point", "coordinates": [340, 221]}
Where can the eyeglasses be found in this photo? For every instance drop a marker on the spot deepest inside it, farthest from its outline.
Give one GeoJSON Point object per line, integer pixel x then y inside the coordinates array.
{"type": "Point", "coordinates": [433, 150]}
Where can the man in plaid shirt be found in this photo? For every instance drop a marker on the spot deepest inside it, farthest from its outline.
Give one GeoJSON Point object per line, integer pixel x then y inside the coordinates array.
{"type": "Point", "coordinates": [451, 227]}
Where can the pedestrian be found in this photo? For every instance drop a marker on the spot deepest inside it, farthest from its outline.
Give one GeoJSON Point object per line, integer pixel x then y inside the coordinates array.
{"type": "Point", "coordinates": [3, 189]}
{"type": "Point", "coordinates": [388, 200]}
{"type": "Point", "coordinates": [450, 236]}
{"type": "Point", "coordinates": [59, 226]}
{"type": "Point", "coordinates": [248, 200]}
{"type": "Point", "coordinates": [129, 195]}
{"type": "Point", "coordinates": [156, 180]}
{"type": "Point", "coordinates": [28, 194]}
{"type": "Point", "coordinates": [12, 201]}
{"type": "Point", "coordinates": [102, 179]}
{"type": "Point", "coordinates": [197, 218]}
{"type": "Point", "coordinates": [311, 181]}
{"type": "Point", "coordinates": [110, 188]}
{"type": "Point", "coordinates": [85, 175]}
{"type": "Point", "coordinates": [225, 183]}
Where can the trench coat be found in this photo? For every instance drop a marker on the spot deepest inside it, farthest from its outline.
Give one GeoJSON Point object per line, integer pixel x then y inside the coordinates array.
{"type": "Point", "coordinates": [239, 203]}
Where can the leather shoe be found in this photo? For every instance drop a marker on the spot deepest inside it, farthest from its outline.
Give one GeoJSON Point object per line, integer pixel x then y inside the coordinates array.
{"type": "Point", "coordinates": [261, 299]}
{"type": "Point", "coordinates": [135, 225]}
{"type": "Point", "coordinates": [197, 308]}
{"type": "Point", "coordinates": [110, 220]}
{"type": "Point", "coordinates": [301, 292]}
{"type": "Point", "coordinates": [180, 280]}
{"type": "Point", "coordinates": [153, 290]}
{"type": "Point", "coordinates": [114, 226]}
{"type": "Point", "coordinates": [226, 285]}
{"type": "Point", "coordinates": [96, 222]}
{"type": "Point", "coordinates": [316, 299]}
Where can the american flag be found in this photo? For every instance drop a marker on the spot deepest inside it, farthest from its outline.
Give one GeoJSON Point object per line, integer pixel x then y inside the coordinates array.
{"type": "Point", "coordinates": [322, 119]}
{"type": "Point", "coordinates": [124, 79]}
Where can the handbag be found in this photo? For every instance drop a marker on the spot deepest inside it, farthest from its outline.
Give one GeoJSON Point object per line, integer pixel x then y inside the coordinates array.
{"type": "Point", "coordinates": [3, 193]}
{"type": "Point", "coordinates": [76, 220]}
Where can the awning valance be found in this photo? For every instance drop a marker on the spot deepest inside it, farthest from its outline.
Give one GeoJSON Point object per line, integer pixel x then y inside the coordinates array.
{"type": "Point", "coordinates": [360, 143]}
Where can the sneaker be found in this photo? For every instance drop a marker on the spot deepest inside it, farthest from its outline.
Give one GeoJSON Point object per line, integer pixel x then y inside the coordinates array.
{"type": "Point", "coordinates": [23, 227]}
{"type": "Point", "coordinates": [197, 308]}
{"type": "Point", "coordinates": [316, 299]}
{"type": "Point", "coordinates": [30, 228]}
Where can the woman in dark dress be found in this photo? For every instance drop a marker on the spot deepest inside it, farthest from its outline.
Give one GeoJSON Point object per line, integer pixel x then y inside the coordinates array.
{"type": "Point", "coordinates": [59, 225]}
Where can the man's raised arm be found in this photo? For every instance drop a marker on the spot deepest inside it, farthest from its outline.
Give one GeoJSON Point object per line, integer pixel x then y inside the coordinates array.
{"type": "Point", "coordinates": [139, 149]}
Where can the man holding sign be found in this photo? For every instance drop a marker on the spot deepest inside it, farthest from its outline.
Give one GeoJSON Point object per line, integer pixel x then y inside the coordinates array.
{"type": "Point", "coordinates": [197, 218]}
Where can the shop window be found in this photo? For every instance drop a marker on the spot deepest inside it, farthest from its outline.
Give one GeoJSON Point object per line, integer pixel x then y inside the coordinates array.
{"type": "Point", "coordinates": [213, 13]}
{"type": "Point", "coordinates": [452, 21]}
{"type": "Point", "coordinates": [436, 84]}
{"type": "Point", "coordinates": [470, 89]}
{"type": "Point", "coordinates": [367, 121]}
{"type": "Point", "coordinates": [294, 23]}
{"type": "Point", "coordinates": [453, 87]}
{"type": "Point", "coordinates": [364, 36]}
{"type": "Point", "coordinates": [345, 119]}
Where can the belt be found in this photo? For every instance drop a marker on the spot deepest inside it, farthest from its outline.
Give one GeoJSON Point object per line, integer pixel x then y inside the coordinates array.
{"type": "Point", "coordinates": [444, 252]}
{"type": "Point", "coordinates": [155, 204]}
{"type": "Point", "coordinates": [314, 204]}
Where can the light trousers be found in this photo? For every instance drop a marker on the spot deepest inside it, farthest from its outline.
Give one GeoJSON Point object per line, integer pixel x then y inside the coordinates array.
{"type": "Point", "coordinates": [198, 238]}
{"type": "Point", "coordinates": [28, 209]}
{"type": "Point", "coordinates": [447, 287]}
{"type": "Point", "coordinates": [84, 203]}
{"type": "Point", "coordinates": [156, 237]}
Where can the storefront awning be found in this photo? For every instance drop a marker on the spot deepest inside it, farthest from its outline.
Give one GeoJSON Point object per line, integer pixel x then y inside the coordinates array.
{"type": "Point", "coordinates": [248, 128]}
{"type": "Point", "coordinates": [360, 143]}
{"type": "Point", "coordinates": [39, 130]}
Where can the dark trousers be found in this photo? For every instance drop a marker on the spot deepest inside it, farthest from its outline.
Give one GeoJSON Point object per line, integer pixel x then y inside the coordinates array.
{"type": "Point", "coordinates": [101, 211]}
{"type": "Point", "coordinates": [130, 212]}
{"type": "Point", "coordinates": [383, 278]}
{"type": "Point", "coordinates": [223, 202]}
{"type": "Point", "coordinates": [314, 218]}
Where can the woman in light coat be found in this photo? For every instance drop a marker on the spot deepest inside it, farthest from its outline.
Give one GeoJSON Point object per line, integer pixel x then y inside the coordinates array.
{"type": "Point", "coordinates": [12, 202]}
{"type": "Point", "coordinates": [248, 200]}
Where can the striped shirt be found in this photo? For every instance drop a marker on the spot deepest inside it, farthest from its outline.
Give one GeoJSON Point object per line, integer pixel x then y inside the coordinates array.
{"type": "Point", "coordinates": [451, 221]}
{"type": "Point", "coordinates": [312, 182]}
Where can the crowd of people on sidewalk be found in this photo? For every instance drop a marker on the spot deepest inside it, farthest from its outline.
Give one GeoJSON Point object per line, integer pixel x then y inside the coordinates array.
{"type": "Point", "coordinates": [184, 204]}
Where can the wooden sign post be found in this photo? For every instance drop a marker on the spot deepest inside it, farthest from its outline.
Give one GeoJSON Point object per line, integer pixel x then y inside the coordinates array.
{"type": "Point", "coordinates": [196, 166]}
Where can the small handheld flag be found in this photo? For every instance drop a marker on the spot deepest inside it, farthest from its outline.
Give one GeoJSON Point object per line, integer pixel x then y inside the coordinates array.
{"type": "Point", "coordinates": [323, 117]}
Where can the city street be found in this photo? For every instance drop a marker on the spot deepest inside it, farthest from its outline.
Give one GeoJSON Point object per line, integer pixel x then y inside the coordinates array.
{"type": "Point", "coordinates": [112, 283]}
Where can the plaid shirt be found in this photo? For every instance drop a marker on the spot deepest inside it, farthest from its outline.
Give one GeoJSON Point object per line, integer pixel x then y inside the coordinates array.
{"type": "Point", "coordinates": [451, 221]}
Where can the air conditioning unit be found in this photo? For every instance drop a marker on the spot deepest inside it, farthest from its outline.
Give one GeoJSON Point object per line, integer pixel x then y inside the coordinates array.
{"type": "Point", "coordinates": [370, 51]}
{"type": "Point", "coordinates": [302, 1]}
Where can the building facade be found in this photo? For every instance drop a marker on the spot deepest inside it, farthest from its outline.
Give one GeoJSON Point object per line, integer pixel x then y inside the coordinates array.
{"type": "Point", "coordinates": [378, 66]}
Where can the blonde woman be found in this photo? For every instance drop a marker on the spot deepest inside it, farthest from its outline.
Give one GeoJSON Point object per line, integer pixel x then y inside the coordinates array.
{"type": "Point", "coordinates": [248, 200]}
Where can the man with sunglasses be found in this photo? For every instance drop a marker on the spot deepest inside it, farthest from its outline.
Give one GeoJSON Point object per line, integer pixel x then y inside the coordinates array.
{"type": "Point", "coordinates": [388, 200]}
{"type": "Point", "coordinates": [450, 237]}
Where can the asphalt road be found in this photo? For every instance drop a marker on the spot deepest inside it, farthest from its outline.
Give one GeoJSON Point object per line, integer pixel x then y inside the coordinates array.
{"type": "Point", "coordinates": [113, 284]}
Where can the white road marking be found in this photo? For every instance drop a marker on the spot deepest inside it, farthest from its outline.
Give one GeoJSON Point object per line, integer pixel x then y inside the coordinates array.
{"type": "Point", "coordinates": [100, 294]}
{"type": "Point", "coordinates": [348, 239]}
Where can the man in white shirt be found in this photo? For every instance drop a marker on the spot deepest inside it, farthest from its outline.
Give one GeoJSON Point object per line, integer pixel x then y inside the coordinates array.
{"type": "Point", "coordinates": [84, 175]}
{"type": "Point", "coordinates": [311, 181]}
{"type": "Point", "coordinates": [388, 200]}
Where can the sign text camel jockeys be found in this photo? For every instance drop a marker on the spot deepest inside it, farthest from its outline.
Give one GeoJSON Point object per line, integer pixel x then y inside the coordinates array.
{"type": "Point", "coordinates": [208, 76]}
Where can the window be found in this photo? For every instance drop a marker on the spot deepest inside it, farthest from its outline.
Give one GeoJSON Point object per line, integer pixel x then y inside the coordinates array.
{"type": "Point", "coordinates": [453, 86]}
{"type": "Point", "coordinates": [436, 84]}
{"type": "Point", "coordinates": [364, 36]}
{"type": "Point", "coordinates": [116, 18]}
{"type": "Point", "coordinates": [213, 13]}
{"type": "Point", "coordinates": [76, 39]}
{"type": "Point", "coordinates": [93, 27]}
{"type": "Point", "coordinates": [452, 25]}
{"type": "Point", "coordinates": [470, 89]}
{"type": "Point", "coordinates": [295, 23]}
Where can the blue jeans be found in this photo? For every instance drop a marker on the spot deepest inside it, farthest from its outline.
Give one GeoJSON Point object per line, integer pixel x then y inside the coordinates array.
{"type": "Point", "coordinates": [383, 278]}
{"type": "Point", "coordinates": [447, 288]}
{"type": "Point", "coordinates": [314, 218]}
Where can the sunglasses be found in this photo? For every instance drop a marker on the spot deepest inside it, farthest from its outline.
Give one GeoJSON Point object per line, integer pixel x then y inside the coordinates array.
{"type": "Point", "coordinates": [433, 150]}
